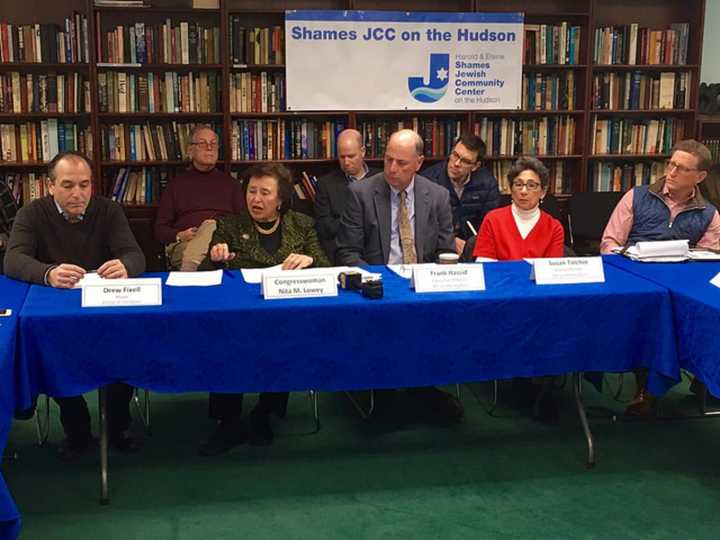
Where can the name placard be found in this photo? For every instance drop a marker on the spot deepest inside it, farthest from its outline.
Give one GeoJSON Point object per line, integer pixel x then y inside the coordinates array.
{"type": "Point", "coordinates": [567, 270]}
{"type": "Point", "coordinates": [122, 292]}
{"type": "Point", "coordinates": [299, 284]}
{"type": "Point", "coordinates": [448, 277]}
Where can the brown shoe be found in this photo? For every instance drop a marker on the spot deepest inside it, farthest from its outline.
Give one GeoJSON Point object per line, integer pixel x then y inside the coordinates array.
{"type": "Point", "coordinates": [643, 404]}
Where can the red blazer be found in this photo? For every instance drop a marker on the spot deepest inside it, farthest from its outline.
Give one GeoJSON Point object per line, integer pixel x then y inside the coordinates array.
{"type": "Point", "coordinates": [500, 239]}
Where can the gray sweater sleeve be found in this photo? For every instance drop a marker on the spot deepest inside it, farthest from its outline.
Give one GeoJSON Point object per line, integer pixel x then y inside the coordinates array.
{"type": "Point", "coordinates": [20, 261]}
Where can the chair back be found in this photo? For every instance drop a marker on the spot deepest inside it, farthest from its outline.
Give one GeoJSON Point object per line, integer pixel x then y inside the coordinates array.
{"type": "Point", "coordinates": [589, 214]}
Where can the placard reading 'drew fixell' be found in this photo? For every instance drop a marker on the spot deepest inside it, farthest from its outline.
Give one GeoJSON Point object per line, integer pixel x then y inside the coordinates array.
{"type": "Point", "coordinates": [299, 284]}
{"type": "Point", "coordinates": [567, 270]}
{"type": "Point", "coordinates": [448, 278]}
{"type": "Point", "coordinates": [123, 292]}
{"type": "Point", "coordinates": [396, 60]}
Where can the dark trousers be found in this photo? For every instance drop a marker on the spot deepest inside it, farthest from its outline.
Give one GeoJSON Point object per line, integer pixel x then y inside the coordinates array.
{"type": "Point", "coordinates": [75, 417]}
{"type": "Point", "coordinates": [226, 407]}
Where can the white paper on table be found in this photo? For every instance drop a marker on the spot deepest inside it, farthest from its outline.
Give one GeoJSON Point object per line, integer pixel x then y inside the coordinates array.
{"type": "Point", "coordinates": [703, 255]}
{"type": "Point", "coordinates": [490, 259]}
{"type": "Point", "coordinates": [88, 279]}
{"type": "Point", "coordinates": [194, 279]}
{"type": "Point", "coordinates": [716, 280]}
{"type": "Point", "coordinates": [402, 270]}
{"type": "Point", "coordinates": [254, 275]}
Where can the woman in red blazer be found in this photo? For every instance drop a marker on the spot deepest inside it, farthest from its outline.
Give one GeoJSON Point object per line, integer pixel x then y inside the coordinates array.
{"type": "Point", "coordinates": [521, 230]}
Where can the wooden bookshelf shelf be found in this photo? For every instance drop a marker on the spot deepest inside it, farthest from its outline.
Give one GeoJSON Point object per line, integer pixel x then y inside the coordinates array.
{"type": "Point", "coordinates": [645, 67]}
{"type": "Point", "coordinates": [159, 115]}
{"type": "Point", "coordinates": [620, 157]}
{"type": "Point", "coordinates": [642, 112]}
{"type": "Point", "coordinates": [42, 67]}
{"type": "Point", "coordinates": [152, 9]}
{"type": "Point", "coordinates": [22, 117]}
{"type": "Point", "coordinates": [23, 164]}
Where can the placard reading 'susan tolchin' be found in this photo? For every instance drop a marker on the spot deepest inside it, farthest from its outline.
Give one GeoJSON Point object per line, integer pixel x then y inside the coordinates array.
{"type": "Point", "coordinates": [393, 60]}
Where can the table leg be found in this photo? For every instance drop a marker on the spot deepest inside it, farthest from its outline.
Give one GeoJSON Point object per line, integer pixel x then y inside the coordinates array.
{"type": "Point", "coordinates": [316, 409]}
{"type": "Point", "coordinates": [577, 378]}
{"type": "Point", "coordinates": [362, 412]}
{"type": "Point", "coordinates": [102, 407]}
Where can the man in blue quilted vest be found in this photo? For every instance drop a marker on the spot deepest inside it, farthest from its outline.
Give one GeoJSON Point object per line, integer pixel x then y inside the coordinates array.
{"type": "Point", "coordinates": [670, 209]}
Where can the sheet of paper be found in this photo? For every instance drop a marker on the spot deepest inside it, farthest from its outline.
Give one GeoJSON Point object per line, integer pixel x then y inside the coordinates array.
{"type": "Point", "coordinates": [667, 248]}
{"type": "Point", "coordinates": [89, 278]}
{"type": "Point", "coordinates": [402, 270]}
{"type": "Point", "coordinates": [194, 279]}
{"type": "Point", "coordinates": [254, 275]}
{"type": "Point", "coordinates": [703, 255]}
{"type": "Point", "coordinates": [716, 280]}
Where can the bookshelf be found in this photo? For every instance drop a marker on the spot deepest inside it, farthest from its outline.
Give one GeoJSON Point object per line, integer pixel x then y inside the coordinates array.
{"type": "Point", "coordinates": [238, 87]}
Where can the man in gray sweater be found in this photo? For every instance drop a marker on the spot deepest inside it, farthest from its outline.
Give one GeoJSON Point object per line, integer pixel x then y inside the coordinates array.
{"type": "Point", "coordinates": [55, 241]}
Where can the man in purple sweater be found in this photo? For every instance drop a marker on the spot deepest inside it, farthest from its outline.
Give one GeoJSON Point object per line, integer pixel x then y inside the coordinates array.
{"type": "Point", "coordinates": [192, 200]}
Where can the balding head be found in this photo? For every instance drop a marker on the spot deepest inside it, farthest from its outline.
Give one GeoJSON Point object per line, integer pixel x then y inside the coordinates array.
{"type": "Point", "coordinates": [403, 158]}
{"type": "Point", "coordinates": [351, 152]}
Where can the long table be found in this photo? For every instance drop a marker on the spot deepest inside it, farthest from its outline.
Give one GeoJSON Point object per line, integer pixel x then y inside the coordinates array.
{"type": "Point", "coordinates": [12, 294]}
{"type": "Point", "coordinates": [696, 310]}
{"type": "Point", "coordinates": [228, 338]}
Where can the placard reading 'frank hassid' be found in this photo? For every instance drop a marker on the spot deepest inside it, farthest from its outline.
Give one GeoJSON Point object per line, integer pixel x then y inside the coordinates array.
{"type": "Point", "coordinates": [392, 60]}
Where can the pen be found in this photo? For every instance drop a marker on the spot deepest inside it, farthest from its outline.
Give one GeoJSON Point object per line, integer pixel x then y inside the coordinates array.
{"type": "Point", "coordinates": [472, 229]}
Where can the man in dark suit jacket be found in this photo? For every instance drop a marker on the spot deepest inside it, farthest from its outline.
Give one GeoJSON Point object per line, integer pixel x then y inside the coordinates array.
{"type": "Point", "coordinates": [333, 189]}
{"type": "Point", "coordinates": [366, 234]}
{"type": "Point", "coordinates": [396, 217]}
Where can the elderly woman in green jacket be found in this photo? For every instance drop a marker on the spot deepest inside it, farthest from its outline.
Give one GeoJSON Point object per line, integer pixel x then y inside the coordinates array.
{"type": "Point", "coordinates": [269, 233]}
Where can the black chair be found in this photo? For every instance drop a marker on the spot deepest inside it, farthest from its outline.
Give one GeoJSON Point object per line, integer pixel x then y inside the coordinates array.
{"type": "Point", "coordinates": [588, 216]}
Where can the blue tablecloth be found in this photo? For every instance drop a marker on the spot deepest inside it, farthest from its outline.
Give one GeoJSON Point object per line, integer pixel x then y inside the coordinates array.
{"type": "Point", "coordinates": [229, 339]}
{"type": "Point", "coordinates": [12, 294]}
{"type": "Point", "coordinates": [696, 307]}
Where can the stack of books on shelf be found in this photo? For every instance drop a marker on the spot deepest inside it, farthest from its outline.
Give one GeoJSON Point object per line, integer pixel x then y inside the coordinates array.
{"type": "Point", "coordinates": [256, 45]}
{"type": "Point", "coordinates": [146, 142]}
{"type": "Point", "coordinates": [138, 186]}
{"type": "Point", "coordinates": [40, 141]}
{"type": "Point", "coordinates": [51, 93]}
{"type": "Point", "coordinates": [560, 181]}
{"type": "Point", "coordinates": [439, 134]}
{"type": "Point", "coordinates": [621, 176]}
{"type": "Point", "coordinates": [548, 91]}
{"type": "Point", "coordinates": [636, 136]}
{"type": "Point", "coordinates": [184, 43]}
{"type": "Point", "coordinates": [552, 44]}
{"type": "Point", "coordinates": [553, 135]}
{"type": "Point", "coordinates": [26, 187]}
{"type": "Point", "coordinates": [284, 139]}
{"type": "Point", "coordinates": [257, 92]}
{"type": "Point", "coordinates": [637, 90]}
{"type": "Point", "coordinates": [305, 187]}
{"type": "Point", "coordinates": [631, 44]}
{"type": "Point", "coordinates": [160, 92]}
{"type": "Point", "coordinates": [713, 145]}
{"type": "Point", "coordinates": [48, 43]}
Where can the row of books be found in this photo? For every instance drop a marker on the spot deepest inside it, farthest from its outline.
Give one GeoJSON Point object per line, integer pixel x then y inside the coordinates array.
{"type": "Point", "coordinates": [160, 92]}
{"type": "Point", "coordinates": [714, 147]}
{"type": "Point", "coordinates": [560, 180]}
{"type": "Point", "coordinates": [137, 186]}
{"type": "Point", "coordinates": [26, 187]}
{"type": "Point", "coordinates": [141, 142]}
{"type": "Point", "coordinates": [631, 91]}
{"type": "Point", "coordinates": [631, 44]}
{"type": "Point", "coordinates": [184, 43]}
{"type": "Point", "coordinates": [49, 43]}
{"type": "Point", "coordinates": [536, 137]}
{"type": "Point", "coordinates": [257, 92]}
{"type": "Point", "coordinates": [284, 139]}
{"type": "Point", "coordinates": [552, 44]}
{"type": "Point", "coordinates": [621, 176]}
{"type": "Point", "coordinates": [40, 141]}
{"type": "Point", "coordinates": [256, 45]}
{"type": "Point", "coordinates": [63, 93]}
{"type": "Point", "coordinates": [636, 136]}
{"type": "Point", "coordinates": [439, 134]}
{"type": "Point", "coordinates": [548, 92]}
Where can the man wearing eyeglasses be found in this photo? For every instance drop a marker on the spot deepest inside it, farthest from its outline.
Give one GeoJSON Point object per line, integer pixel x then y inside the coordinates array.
{"type": "Point", "coordinates": [473, 190]}
{"type": "Point", "coordinates": [193, 200]}
{"type": "Point", "coordinates": [670, 209]}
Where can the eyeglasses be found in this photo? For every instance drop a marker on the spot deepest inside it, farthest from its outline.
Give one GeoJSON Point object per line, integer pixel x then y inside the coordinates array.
{"type": "Point", "coordinates": [531, 186]}
{"type": "Point", "coordinates": [206, 144]}
{"type": "Point", "coordinates": [454, 156]}
{"type": "Point", "coordinates": [670, 165]}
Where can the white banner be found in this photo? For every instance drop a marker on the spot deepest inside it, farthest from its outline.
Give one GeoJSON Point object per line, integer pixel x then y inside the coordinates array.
{"type": "Point", "coordinates": [392, 60]}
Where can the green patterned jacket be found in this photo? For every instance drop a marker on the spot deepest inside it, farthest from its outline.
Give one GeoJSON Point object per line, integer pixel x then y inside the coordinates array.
{"type": "Point", "coordinates": [239, 233]}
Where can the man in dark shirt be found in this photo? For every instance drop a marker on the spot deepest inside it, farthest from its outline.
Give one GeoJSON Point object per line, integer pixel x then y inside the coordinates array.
{"type": "Point", "coordinates": [473, 190]}
{"type": "Point", "coordinates": [189, 205]}
{"type": "Point", "coordinates": [55, 241]}
{"type": "Point", "coordinates": [333, 189]}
